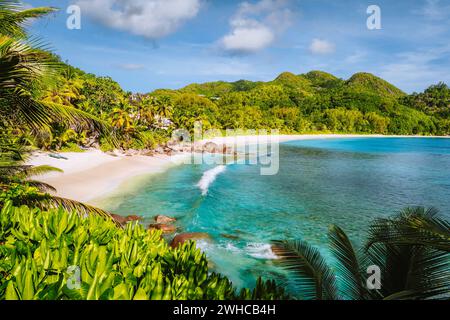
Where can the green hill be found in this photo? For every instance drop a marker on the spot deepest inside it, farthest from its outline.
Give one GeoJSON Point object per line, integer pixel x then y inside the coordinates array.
{"type": "Point", "coordinates": [209, 88]}
{"type": "Point", "coordinates": [292, 81]}
{"type": "Point", "coordinates": [310, 82]}
{"type": "Point", "coordinates": [218, 88]}
{"type": "Point", "coordinates": [318, 101]}
{"type": "Point", "coordinates": [320, 79]}
{"type": "Point", "coordinates": [368, 82]}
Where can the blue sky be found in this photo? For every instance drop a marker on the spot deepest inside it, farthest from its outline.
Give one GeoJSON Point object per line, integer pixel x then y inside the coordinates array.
{"type": "Point", "coordinates": [150, 44]}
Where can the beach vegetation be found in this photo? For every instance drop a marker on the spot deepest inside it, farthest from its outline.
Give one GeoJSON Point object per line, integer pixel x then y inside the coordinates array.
{"type": "Point", "coordinates": [27, 67]}
{"type": "Point", "coordinates": [18, 182]}
{"type": "Point", "coordinates": [59, 254]}
{"type": "Point", "coordinates": [411, 250]}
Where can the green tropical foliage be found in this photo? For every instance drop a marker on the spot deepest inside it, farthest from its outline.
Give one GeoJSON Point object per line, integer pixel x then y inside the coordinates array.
{"type": "Point", "coordinates": [411, 249]}
{"type": "Point", "coordinates": [13, 16]}
{"type": "Point", "coordinates": [38, 248]}
{"type": "Point", "coordinates": [18, 182]}
{"type": "Point", "coordinates": [26, 66]}
{"type": "Point", "coordinates": [433, 101]}
{"type": "Point", "coordinates": [312, 102]}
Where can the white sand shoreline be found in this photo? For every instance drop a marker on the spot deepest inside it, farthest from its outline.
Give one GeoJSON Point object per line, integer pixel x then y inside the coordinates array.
{"type": "Point", "coordinates": [93, 174]}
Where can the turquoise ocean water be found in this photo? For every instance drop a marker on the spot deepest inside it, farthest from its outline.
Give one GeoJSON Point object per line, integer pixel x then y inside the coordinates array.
{"type": "Point", "coordinates": [347, 182]}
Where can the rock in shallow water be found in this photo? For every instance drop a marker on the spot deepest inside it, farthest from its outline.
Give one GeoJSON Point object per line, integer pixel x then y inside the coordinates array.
{"type": "Point", "coordinates": [164, 219]}
{"type": "Point", "coordinates": [183, 237]}
{"type": "Point", "coordinates": [124, 220]}
{"type": "Point", "coordinates": [134, 218]}
{"type": "Point", "coordinates": [165, 228]}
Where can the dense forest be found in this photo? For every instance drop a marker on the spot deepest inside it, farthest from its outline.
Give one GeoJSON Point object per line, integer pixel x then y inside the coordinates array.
{"type": "Point", "coordinates": [318, 101]}
{"type": "Point", "coordinates": [306, 103]}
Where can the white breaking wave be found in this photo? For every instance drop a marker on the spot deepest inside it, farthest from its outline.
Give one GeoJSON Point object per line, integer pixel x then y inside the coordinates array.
{"type": "Point", "coordinates": [203, 245]}
{"type": "Point", "coordinates": [232, 248]}
{"type": "Point", "coordinates": [260, 251]}
{"type": "Point", "coordinates": [209, 177]}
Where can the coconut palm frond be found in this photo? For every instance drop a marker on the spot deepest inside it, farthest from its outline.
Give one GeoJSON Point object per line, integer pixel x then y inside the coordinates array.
{"type": "Point", "coordinates": [37, 114]}
{"type": "Point", "coordinates": [13, 169]}
{"type": "Point", "coordinates": [432, 271]}
{"type": "Point", "coordinates": [10, 152]}
{"type": "Point", "coordinates": [46, 201]}
{"type": "Point", "coordinates": [9, 4]}
{"type": "Point", "coordinates": [13, 15]}
{"type": "Point", "coordinates": [395, 263]}
{"type": "Point", "coordinates": [33, 13]}
{"type": "Point", "coordinates": [8, 157]}
{"type": "Point", "coordinates": [41, 186]}
{"type": "Point", "coordinates": [80, 119]}
{"type": "Point", "coordinates": [40, 170]}
{"type": "Point", "coordinates": [30, 113]}
{"type": "Point", "coordinates": [428, 277]}
{"type": "Point", "coordinates": [418, 226]}
{"type": "Point", "coordinates": [82, 208]}
{"type": "Point", "coordinates": [21, 65]}
{"type": "Point", "coordinates": [23, 62]}
{"type": "Point", "coordinates": [16, 172]}
{"type": "Point", "coordinates": [313, 276]}
{"type": "Point", "coordinates": [22, 172]}
{"type": "Point", "coordinates": [412, 249]}
{"type": "Point", "coordinates": [348, 267]}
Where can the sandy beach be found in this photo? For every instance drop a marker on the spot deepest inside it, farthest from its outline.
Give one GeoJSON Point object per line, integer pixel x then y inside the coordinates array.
{"type": "Point", "coordinates": [93, 174]}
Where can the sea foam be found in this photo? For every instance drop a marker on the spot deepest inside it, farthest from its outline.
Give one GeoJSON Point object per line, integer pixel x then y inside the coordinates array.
{"type": "Point", "coordinates": [209, 177]}
{"type": "Point", "coordinates": [260, 251]}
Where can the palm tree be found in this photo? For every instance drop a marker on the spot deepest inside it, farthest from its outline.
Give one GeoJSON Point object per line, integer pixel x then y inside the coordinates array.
{"type": "Point", "coordinates": [165, 107]}
{"type": "Point", "coordinates": [13, 16]}
{"type": "Point", "coordinates": [146, 111]}
{"type": "Point", "coordinates": [25, 64]}
{"type": "Point", "coordinates": [417, 226]}
{"type": "Point", "coordinates": [16, 176]}
{"type": "Point", "coordinates": [411, 250]}
{"type": "Point", "coordinates": [162, 106]}
{"type": "Point", "coordinates": [67, 94]}
{"type": "Point", "coordinates": [146, 115]}
{"type": "Point", "coordinates": [120, 119]}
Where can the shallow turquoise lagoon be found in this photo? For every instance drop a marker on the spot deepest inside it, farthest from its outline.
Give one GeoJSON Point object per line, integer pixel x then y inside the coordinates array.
{"type": "Point", "coordinates": [347, 182]}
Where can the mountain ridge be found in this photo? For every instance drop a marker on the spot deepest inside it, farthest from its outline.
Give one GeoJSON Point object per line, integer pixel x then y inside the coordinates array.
{"type": "Point", "coordinates": [311, 82]}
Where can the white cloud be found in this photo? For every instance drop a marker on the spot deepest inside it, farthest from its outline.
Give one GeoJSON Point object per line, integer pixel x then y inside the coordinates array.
{"type": "Point", "coordinates": [320, 46]}
{"type": "Point", "coordinates": [435, 10]}
{"type": "Point", "coordinates": [152, 19]}
{"type": "Point", "coordinates": [255, 26]}
{"type": "Point", "coordinates": [248, 38]}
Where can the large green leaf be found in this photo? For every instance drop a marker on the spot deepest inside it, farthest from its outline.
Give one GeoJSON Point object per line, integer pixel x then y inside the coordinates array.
{"type": "Point", "coordinates": [312, 275]}
{"type": "Point", "coordinates": [348, 267]}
